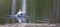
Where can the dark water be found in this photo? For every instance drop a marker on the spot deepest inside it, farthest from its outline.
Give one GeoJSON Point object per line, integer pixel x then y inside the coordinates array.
{"type": "Point", "coordinates": [36, 9]}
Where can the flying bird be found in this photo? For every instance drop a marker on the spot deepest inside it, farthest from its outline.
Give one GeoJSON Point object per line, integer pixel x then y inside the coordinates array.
{"type": "Point", "coordinates": [20, 16]}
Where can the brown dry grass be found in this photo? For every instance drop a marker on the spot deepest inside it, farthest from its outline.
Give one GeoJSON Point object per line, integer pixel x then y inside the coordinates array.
{"type": "Point", "coordinates": [30, 25]}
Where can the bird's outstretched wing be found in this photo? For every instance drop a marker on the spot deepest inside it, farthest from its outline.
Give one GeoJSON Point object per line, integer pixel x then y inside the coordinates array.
{"type": "Point", "coordinates": [11, 16]}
